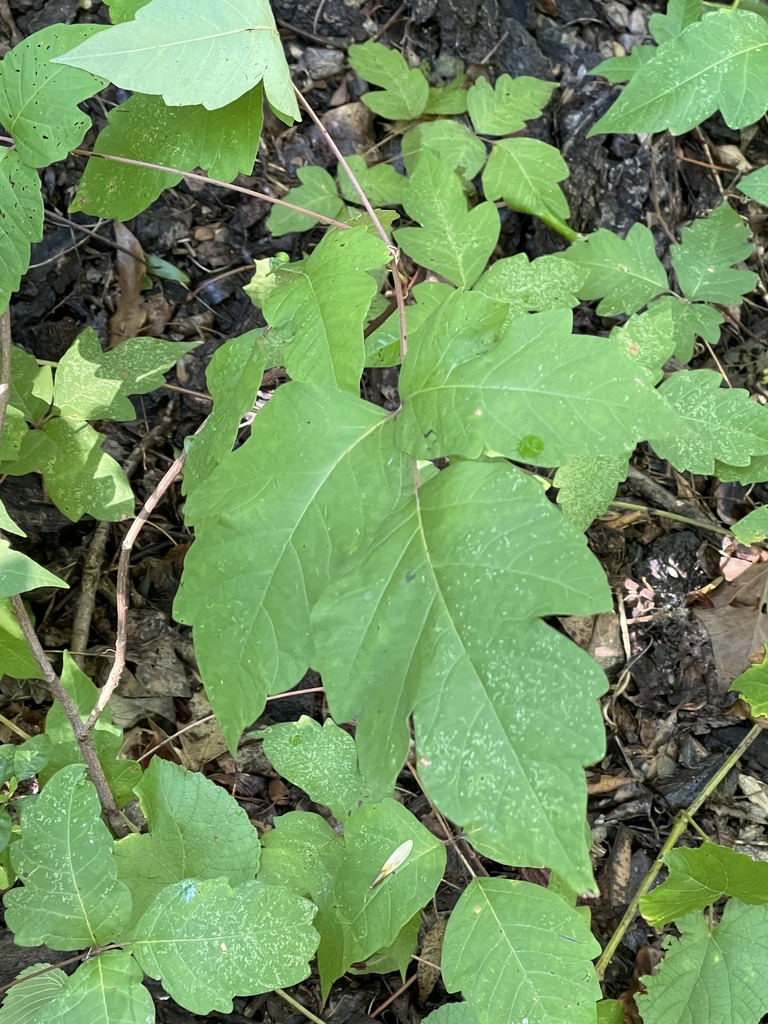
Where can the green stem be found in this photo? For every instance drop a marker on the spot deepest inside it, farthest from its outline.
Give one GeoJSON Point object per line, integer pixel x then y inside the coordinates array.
{"type": "Point", "coordinates": [672, 515]}
{"type": "Point", "coordinates": [297, 1006]}
{"type": "Point", "coordinates": [678, 827]}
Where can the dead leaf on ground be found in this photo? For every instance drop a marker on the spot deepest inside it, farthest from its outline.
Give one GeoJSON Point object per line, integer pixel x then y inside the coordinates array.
{"type": "Point", "coordinates": [130, 313]}
{"type": "Point", "coordinates": [737, 624]}
{"type": "Point", "coordinates": [428, 964]}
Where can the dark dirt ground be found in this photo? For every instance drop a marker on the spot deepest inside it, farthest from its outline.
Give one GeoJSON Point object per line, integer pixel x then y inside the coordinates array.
{"type": "Point", "coordinates": [675, 644]}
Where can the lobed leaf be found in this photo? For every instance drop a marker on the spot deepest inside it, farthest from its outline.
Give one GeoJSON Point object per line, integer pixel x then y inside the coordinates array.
{"type": "Point", "coordinates": [39, 100]}
{"type": "Point", "coordinates": [695, 981]}
{"type": "Point", "coordinates": [381, 183]}
{"type": "Point", "coordinates": [358, 919]}
{"type": "Point", "coordinates": [625, 273]}
{"type": "Point", "coordinates": [517, 951]}
{"type": "Point", "coordinates": [622, 69]}
{"type": "Point", "coordinates": [207, 942]}
{"type": "Point", "coordinates": [107, 989]}
{"type": "Point", "coordinates": [718, 63]}
{"type": "Point", "coordinates": [503, 108]}
{"type": "Point", "coordinates": [450, 141]}
{"type": "Point", "coordinates": [690, 320]}
{"type": "Point", "coordinates": [753, 684]}
{"type": "Point", "coordinates": [318, 473]}
{"type": "Point", "coordinates": [174, 50]}
{"type": "Point", "coordinates": [525, 174]}
{"type": "Point", "coordinates": [437, 615]}
{"type": "Point", "coordinates": [326, 334]}
{"type": "Point", "coordinates": [704, 259]}
{"type": "Point", "coordinates": [321, 760]}
{"type": "Point", "coordinates": [534, 286]}
{"type": "Point", "coordinates": [93, 384]}
{"type": "Point", "coordinates": [714, 423]}
{"type": "Point", "coordinates": [532, 392]}
{"type": "Point", "coordinates": [317, 192]}
{"type": "Point", "coordinates": [698, 878]}
{"type": "Point", "coordinates": [22, 220]}
{"type": "Point", "coordinates": [234, 375]}
{"type": "Point", "coordinates": [454, 242]}
{"type": "Point", "coordinates": [302, 853]}
{"type": "Point", "coordinates": [680, 14]}
{"type": "Point", "coordinates": [405, 90]}
{"type": "Point", "coordinates": [753, 528]}
{"type": "Point", "coordinates": [196, 830]}
{"type": "Point", "coordinates": [448, 99]}
{"type": "Point", "coordinates": [222, 142]}
{"type": "Point", "coordinates": [71, 898]}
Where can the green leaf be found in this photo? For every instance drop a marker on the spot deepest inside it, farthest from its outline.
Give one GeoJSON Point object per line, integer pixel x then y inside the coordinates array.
{"type": "Point", "coordinates": [610, 1011]}
{"type": "Point", "coordinates": [318, 472]}
{"type": "Point", "coordinates": [264, 281]}
{"type": "Point", "coordinates": [680, 14]}
{"type": "Point", "coordinates": [448, 99]}
{"type": "Point", "coordinates": [454, 242]}
{"type": "Point", "coordinates": [317, 192]}
{"type": "Point", "coordinates": [79, 476]}
{"type": "Point", "coordinates": [39, 100]}
{"type": "Point", "coordinates": [196, 830]}
{"type": "Point", "coordinates": [19, 573]}
{"type": "Point", "coordinates": [8, 525]}
{"type": "Point", "coordinates": [524, 173]}
{"type": "Point", "coordinates": [753, 686]}
{"type": "Point", "coordinates": [302, 853]}
{"type": "Point", "coordinates": [690, 320]}
{"type": "Point", "coordinates": [397, 955]}
{"type": "Point", "coordinates": [31, 385]}
{"type": "Point", "coordinates": [517, 951]}
{"type": "Point", "coordinates": [450, 588]}
{"type": "Point", "coordinates": [22, 1003]}
{"type": "Point", "coordinates": [698, 878]}
{"type": "Point", "coordinates": [381, 183]}
{"type": "Point", "coordinates": [505, 107]}
{"type": "Point", "coordinates": [405, 90]}
{"type": "Point", "coordinates": [207, 942]}
{"type": "Point", "coordinates": [532, 286]}
{"type": "Point", "coordinates": [622, 69]}
{"type": "Point", "coordinates": [450, 141]}
{"type": "Point", "coordinates": [234, 375]}
{"type": "Point", "coordinates": [93, 384]}
{"type": "Point", "coordinates": [625, 273]}
{"type": "Point", "coordinates": [16, 659]}
{"type": "Point", "coordinates": [24, 760]}
{"type": "Point", "coordinates": [755, 185]}
{"type": "Point", "coordinates": [321, 759]}
{"type": "Point", "coordinates": [326, 334]}
{"type": "Point", "coordinates": [179, 53]}
{"type": "Point", "coordinates": [538, 394]}
{"type": "Point", "coordinates": [709, 248]}
{"type": "Point", "coordinates": [718, 63]}
{"type": "Point", "coordinates": [71, 898]}
{"type": "Point", "coordinates": [122, 775]}
{"type": "Point", "coordinates": [222, 142]}
{"type": "Point", "coordinates": [588, 485]}
{"type": "Point", "coordinates": [124, 10]}
{"type": "Point", "coordinates": [696, 981]}
{"type": "Point", "coordinates": [104, 990]}
{"type": "Point", "coordinates": [713, 423]}
{"type": "Point", "coordinates": [358, 919]}
{"type": "Point", "coordinates": [753, 527]}
{"type": "Point", "coordinates": [649, 338]}
{"type": "Point", "coordinates": [22, 221]}
{"type": "Point", "coordinates": [452, 1013]}
{"type": "Point", "coordinates": [382, 346]}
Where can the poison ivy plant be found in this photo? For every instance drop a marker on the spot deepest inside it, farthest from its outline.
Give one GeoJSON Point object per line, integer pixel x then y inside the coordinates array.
{"type": "Point", "coordinates": [405, 90]}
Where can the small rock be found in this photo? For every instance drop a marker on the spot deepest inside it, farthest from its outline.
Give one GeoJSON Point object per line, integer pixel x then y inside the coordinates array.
{"type": "Point", "coordinates": [351, 127]}
{"type": "Point", "coordinates": [616, 14]}
{"type": "Point", "coordinates": [321, 63]}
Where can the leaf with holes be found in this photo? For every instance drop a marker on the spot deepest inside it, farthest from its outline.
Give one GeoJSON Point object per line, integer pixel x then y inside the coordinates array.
{"type": "Point", "coordinates": [104, 990]}
{"type": "Point", "coordinates": [532, 286]}
{"type": "Point", "coordinates": [39, 100]}
{"type": "Point", "coordinates": [21, 223]}
{"type": "Point", "coordinates": [173, 49]}
{"type": "Point", "coordinates": [450, 589]}
{"type": "Point", "coordinates": [587, 485]}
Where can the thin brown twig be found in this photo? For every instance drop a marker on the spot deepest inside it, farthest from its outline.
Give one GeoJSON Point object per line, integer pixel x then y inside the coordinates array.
{"type": "Point", "coordinates": [82, 733]}
{"type": "Point", "coordinates": [192, 176]}
{"type": "Point", "coordinates": [393, 997]}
